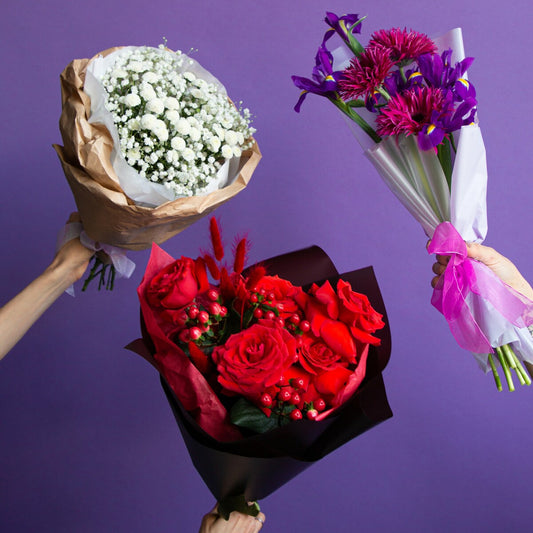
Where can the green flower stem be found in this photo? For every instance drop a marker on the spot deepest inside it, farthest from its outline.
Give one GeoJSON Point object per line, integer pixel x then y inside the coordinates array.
{"type": "Point", "coordinates": [422, 172]}
{"type": "Point", "coordinates": [505, 366]}
{"type": "Point", "coordinates": [384, 93]}
{"type": "Point", "coordinates": [521, 372]}
{"type": "Point", "coordinates": [360, 121]}
{"type": "Point", "coordinates": [495, 373]}
{"type": "Point", "coordinates": [102, 270]}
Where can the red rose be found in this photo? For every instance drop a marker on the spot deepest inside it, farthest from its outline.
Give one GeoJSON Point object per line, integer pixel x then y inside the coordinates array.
{"type": "Point", "coordinates": [324, 323]}
{"type": "Point", "coordinates": [175, 286]}
{"type": "Point", "coordinates": [355, 311]}
{"type": "Point", "coordinates": [283, 292]}
{"type": "Point", "coordinates": [254, 359]}
{"type": "Point", "coordinates": [316, 356]}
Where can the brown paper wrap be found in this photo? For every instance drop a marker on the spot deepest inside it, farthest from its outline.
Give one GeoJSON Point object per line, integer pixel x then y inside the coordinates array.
{"type": "Point", "coordinates": [108, 214]}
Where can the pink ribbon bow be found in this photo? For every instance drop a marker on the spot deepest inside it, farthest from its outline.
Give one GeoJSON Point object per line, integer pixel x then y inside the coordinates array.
{"type": "Point", "coordinates": [464, 275]}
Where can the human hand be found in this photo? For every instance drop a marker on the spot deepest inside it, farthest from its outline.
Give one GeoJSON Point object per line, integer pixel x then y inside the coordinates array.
{"type": "Point", "coordinates": [72, 259]}
{"type": "Point", "coordinates": [499, 264]}
{"type": "Point", "coordinates": [238, 523]}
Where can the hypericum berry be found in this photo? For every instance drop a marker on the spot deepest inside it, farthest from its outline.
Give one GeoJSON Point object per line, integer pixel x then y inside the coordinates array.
{"type": "Point", "coordinates": [266, 400]}
{"type": "Point", "coordinates": [223, 311]}
{"type": "Point", "coordinates": [296, 414]}
{"type": "Point", "coordinates": [284, 395]}
{"type": "Point", "coordinates": [312, 414]}
{"type": "Point", "coordinates": [294, 319]}
{"type": "Point", "coordinates": [262, 292]}
{"type": "Point", "coordinates": [258, 312]}
{"type": "Point", "coordinates": [253, 298]}
{"type": "Point", "coordinates": [270, 315]}
{"type": "Point", "coordinates": [280, 306]}
{"type": "Point", "coordinates": [295, 399]}
{"type": "Point", "coordinates": [213, 295]}
{"type": "Point", "coordinates": [305, 325]}
{"type": "Point", "coordinates": [282, 381]}
{"type": "Point", "coordinates": [195, 333]}
{"type": "Point", "coordinates": [184, 335]}
{"type": "Point", "coordinates": [298, 383]}
{"type": "Point", "coordinates": [203, 317]}
{"type": "Point", "coordinates": [193, 312]}
{"type": "Point", "coordinates": [280, 322]}
{"type": "Point", "coordinates": [319, 404]}
{"type": "Point", "coordinates": [271, 296]}
{"type": "Point", "coordinates": [215, 308]}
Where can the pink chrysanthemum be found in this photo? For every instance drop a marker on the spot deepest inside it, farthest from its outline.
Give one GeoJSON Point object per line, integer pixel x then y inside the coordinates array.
{"type": "Point", "coordinates": [402, 44]}
{"type": "Point", "coordinates": [365, 74]}
{"type": "Point", "coordinates": [407, 113]}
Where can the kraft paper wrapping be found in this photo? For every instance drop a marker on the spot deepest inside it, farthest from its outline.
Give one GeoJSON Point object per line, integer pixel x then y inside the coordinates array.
{"type": "Point", "coordinates": [108, 214]}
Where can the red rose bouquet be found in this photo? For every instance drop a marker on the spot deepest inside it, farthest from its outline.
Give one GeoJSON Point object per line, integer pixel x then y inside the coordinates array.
{"type": "Point", "coordinates": [264, 376]}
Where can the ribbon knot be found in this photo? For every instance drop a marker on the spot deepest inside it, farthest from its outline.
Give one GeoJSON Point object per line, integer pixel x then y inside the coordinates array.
{"type": "Point", "coordinates": [466, 280]}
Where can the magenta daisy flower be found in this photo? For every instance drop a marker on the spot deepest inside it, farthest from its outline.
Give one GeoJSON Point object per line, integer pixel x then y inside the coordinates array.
{"type": "Point", "coordinates": [409, 112]}
{"type": "Point", "coordinates": [366, 73]}
{"type": "Point", "coordinates": [402, 44]}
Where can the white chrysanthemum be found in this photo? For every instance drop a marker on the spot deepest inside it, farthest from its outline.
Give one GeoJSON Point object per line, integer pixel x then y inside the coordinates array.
{"type": "Point", "coordinates": [151, 77]}
{"type": "Point", "coordinates": [231, 138]}
{"type": "Point", "coordinates": [155, 106]}
{"type": "Point", "coordinates": [227, 151]}
{"type": "Point", "coordinates": [173, 116]}
{"type": "Point", "coordinates": [183, 127]}
{"type": "Point", "coordinates": [132, 100]}
{"type": "Point", "coordinates": [237, 152]}
{"type": "Point", "coordinates": [178, 143]}
{"type": "Point", "coordinates": [188, 154]}
{"type": "Point", "coordinates": [160, 131]}
{"type": "Point", "coordinates": [195, 134]}
{"type": "Point", "coordinates": [214, 144]}
{"type": "Point", "coordinates": [148, 121]}
{"type": "Point", "coordinates": [171, 102]}
{"type": "Point", "coordinates": [147, 92]}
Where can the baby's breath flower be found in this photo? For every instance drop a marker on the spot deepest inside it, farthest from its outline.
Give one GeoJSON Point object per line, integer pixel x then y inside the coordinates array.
{"type": "Point", "coordinates": [174, 128]}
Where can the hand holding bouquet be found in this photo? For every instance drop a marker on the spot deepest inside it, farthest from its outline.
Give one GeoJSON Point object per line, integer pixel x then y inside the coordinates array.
{"type": "Point", "coordinates": [412, 101]}
{"type": "Point", "coordinates": [151, 144]}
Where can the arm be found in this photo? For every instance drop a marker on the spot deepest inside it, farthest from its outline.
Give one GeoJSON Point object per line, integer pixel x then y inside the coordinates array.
{"type": "Point", "coordinates": [20, 313]}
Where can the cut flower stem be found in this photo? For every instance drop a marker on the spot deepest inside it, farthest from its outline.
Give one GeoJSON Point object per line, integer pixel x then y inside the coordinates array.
{"type": "Point", "coordinates": [508, 360]}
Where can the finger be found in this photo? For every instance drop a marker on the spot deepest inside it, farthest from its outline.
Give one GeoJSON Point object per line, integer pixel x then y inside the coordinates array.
{"type": "Point", "coordinates": [73, 217]}
{"type": "Point", "coordinates": [434, 281]}
{"type": "Point", "coordinates": [443, 259]}
{"type": "Point", "coordinates": [261, 519]}
{"type": "Point", "coordinates": [438, 268]}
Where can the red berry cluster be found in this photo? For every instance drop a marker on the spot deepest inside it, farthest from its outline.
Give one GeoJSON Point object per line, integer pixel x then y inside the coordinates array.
{"type": "Point", "coordinates": [199, 319]}
{"type": "Point", "coordinates": [264, 306]}
{"type": "Point", "coordinates": [288, 401]}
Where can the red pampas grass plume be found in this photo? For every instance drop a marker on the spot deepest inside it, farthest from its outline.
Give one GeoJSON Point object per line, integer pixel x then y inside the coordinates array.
{"type": "Point", "coordinates": [216, 239]}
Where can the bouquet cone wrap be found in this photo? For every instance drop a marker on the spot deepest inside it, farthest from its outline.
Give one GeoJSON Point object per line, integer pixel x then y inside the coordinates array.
{"type": "Point", "coordinates": [258, 465]}
{"type": "Point", "coordinates": [108, 214]}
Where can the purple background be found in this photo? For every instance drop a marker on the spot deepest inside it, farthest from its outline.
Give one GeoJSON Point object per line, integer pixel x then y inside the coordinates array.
{"type": "Point", "coordinates": [88, 442]}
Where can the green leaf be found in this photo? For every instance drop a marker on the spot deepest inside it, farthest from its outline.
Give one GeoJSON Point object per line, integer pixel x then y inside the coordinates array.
{"type": "Point", "coordinates": [445, 157]}
{"type": "Point", "coordinates": [246, 415]}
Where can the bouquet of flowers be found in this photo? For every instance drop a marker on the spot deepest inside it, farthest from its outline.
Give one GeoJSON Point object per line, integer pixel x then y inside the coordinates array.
{"type": "Point", "coordinates": [151, 144]}
{"type": "Point", "coordinates": [415, 112]}
{"type": "Point", "coordinates": [263, 375]}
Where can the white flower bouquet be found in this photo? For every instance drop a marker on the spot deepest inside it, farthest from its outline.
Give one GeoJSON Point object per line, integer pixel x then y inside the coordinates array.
{"type": "Point", "coordinates": [151, 142]}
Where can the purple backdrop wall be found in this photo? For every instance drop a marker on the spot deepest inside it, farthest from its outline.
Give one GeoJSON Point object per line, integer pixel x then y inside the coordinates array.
{"type": "Point", "coordinates": [88, 442]}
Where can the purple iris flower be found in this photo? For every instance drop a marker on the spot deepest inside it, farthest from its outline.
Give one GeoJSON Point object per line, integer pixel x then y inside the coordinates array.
{"type": "Point", "coordinates": [325, 80]}
{"type": "Point", "coordinates": [438, 72]}
{"type": "Point", "coordinates": [446, 120]}
{"type": "Point", "coordinates": [343, 26]}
